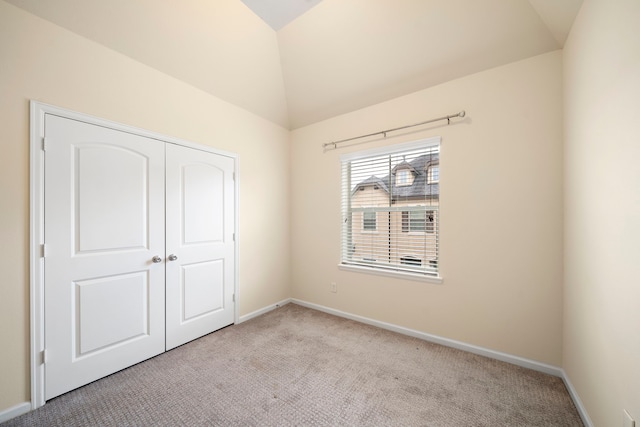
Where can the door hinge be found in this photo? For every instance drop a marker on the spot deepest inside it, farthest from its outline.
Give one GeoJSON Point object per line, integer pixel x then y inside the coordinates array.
{"type": "Point", "coordinates": [233, 297]}
{"type": "Point", "coordinates": [43, 355]}
{"type": "Point", "coordinates": [43, 250]}
{"type": "Point", "coordinates": [234, 176]}
{"type": "Point", "coordinates": [44, 143]}
{"type": "Point", "coordinates": [234, 237]}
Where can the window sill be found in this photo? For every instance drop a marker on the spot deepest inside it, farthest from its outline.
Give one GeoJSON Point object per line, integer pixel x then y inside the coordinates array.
{"type": "Point", "coordinates": [390, 273]}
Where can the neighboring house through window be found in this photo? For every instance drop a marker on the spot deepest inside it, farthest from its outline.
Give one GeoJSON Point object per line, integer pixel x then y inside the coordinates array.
{"type": "Point", "coordinates": [395, 192]}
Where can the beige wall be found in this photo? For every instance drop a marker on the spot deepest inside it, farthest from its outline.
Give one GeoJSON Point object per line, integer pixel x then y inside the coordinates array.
{"type": "Point", "coordinates": [44, 62]}
{"type": "Point", "coordinates": [236, 53]}
{"type": "Point", "coordinates": [602, 209]}
{"type": "Point", "coordinates": [500, 204]}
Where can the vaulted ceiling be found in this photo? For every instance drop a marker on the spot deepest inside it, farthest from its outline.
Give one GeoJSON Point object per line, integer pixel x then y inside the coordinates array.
{"type": "Point", "coordinates": [335, 56]}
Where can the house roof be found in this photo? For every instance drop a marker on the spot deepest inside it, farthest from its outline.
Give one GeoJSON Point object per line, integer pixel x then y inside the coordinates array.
{"type": "Point", "coordinates": [372, 180]}
{"type": "Point", "coordinates": [419, 189]}
{"type": "Point", "coordinates": [405, 165]}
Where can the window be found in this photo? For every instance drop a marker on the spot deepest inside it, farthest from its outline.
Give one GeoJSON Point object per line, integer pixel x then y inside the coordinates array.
{"type": "Point", "coordinates": [403, 213]}
{"type": "Point", "coordinates": [402, 177]}
{"type": "Point", "coordinates": [410, 260]}
{"type": "Point", "coordinates": [416, 221]}
{"type": "Point", "coordinates": [433, 174]}
{"type": "Point", "coordinates": [429, 225]}
{"type": "Point", "coordinates": [369, 221]}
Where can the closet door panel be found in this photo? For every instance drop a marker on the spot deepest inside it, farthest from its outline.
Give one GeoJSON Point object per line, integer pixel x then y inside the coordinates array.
{"type": "Point", "coordinates": [104, 223]}
{"type": "Point", "coordinates": [200, 246]}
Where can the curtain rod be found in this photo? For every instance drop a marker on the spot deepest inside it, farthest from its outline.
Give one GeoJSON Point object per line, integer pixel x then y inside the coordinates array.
{"type": "Point", "coordinates": [334, 144]}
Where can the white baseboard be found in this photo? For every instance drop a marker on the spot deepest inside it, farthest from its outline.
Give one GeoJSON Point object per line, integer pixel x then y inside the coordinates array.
{"type": "Point", "coordinates": [504, 357]}
{"type": "Point", "coordinates": [15, 411]}
{"type": "Point", "coordinates": [576, 400]}
{"type": "Point", "coordinates": [263, 310]}
{"type": "Point", "coordinates": [509, 358]}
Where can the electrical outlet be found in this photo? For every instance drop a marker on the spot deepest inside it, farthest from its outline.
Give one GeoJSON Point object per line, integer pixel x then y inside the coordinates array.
{"type": "Point", "coordinates": [628, 421]}
{"type": "Point", "coordinates": [334, 287]}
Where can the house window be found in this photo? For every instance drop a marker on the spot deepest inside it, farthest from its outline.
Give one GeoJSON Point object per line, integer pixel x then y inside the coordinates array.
{"type": "Point", "coordinates": [433, 174]}
{"type": "Point", "coordinates": [403, 212]}
{"type": "Point", "coordinates": [429, 223]}
{"type": "Point", "coordinates": [402, 177]}
{"type": "Point", "coordinates": [410, 260]}
{"type": "Point", "coordinates": [369, 221]}
{"type": "Point", "coordinates": [416, 221]}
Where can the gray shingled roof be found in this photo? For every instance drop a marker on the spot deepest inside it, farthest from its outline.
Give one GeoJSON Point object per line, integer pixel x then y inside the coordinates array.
{"type": "Point", "coordinates": [372, 180]}
{"type": "Point", "coordinates": [419, 188]}
{"type": "Point", "coordinates": [405, 165]}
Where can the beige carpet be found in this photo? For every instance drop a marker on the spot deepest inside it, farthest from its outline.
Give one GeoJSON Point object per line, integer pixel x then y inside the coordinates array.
{"type": "Point", "coordinates": [300, 367]}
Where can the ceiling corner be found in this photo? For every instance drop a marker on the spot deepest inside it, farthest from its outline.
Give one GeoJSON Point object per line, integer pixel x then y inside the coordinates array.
{"type": "Point", "coordinates": [558, 16]}
{"type": "Point", "coordinates": [278, 13]}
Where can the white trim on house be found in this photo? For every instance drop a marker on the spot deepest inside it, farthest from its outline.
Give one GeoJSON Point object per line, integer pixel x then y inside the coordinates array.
{"type": "Point", "coordinates": [38, 111]}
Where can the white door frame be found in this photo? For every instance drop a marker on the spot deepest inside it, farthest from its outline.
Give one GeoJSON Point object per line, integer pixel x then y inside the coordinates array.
{"type": "Point", "coordinates": [37, 250]}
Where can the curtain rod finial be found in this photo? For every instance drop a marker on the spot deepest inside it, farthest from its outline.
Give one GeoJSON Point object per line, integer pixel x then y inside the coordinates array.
{"type": "Point", "coordinates": [461, 113]}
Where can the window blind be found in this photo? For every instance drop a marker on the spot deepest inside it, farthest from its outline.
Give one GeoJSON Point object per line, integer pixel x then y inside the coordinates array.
{"type": "Point", "coordinates": [390, 208]}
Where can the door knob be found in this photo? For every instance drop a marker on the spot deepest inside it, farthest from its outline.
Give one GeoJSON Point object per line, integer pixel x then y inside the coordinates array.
{"type": "Point", "coordinates": [173, 257]}
{"type": "Point", "coordinates": [156, 259]}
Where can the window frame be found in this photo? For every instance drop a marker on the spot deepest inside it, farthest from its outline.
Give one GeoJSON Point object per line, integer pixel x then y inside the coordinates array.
{"type": "Point", "coordinates": [393, 270]}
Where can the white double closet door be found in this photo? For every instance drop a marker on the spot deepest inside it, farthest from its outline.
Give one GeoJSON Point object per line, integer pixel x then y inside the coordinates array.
{"type": "Point", "coordinates": [139, 249]}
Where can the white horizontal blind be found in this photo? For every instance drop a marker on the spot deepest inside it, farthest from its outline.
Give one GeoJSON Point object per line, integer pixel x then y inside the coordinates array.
{"type": "Point", "coordinates": [390, 209]}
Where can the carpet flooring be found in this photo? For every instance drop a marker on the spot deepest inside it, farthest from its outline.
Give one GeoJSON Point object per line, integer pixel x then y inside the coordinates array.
{"type": "Point", "coordinates": [300, 367]}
